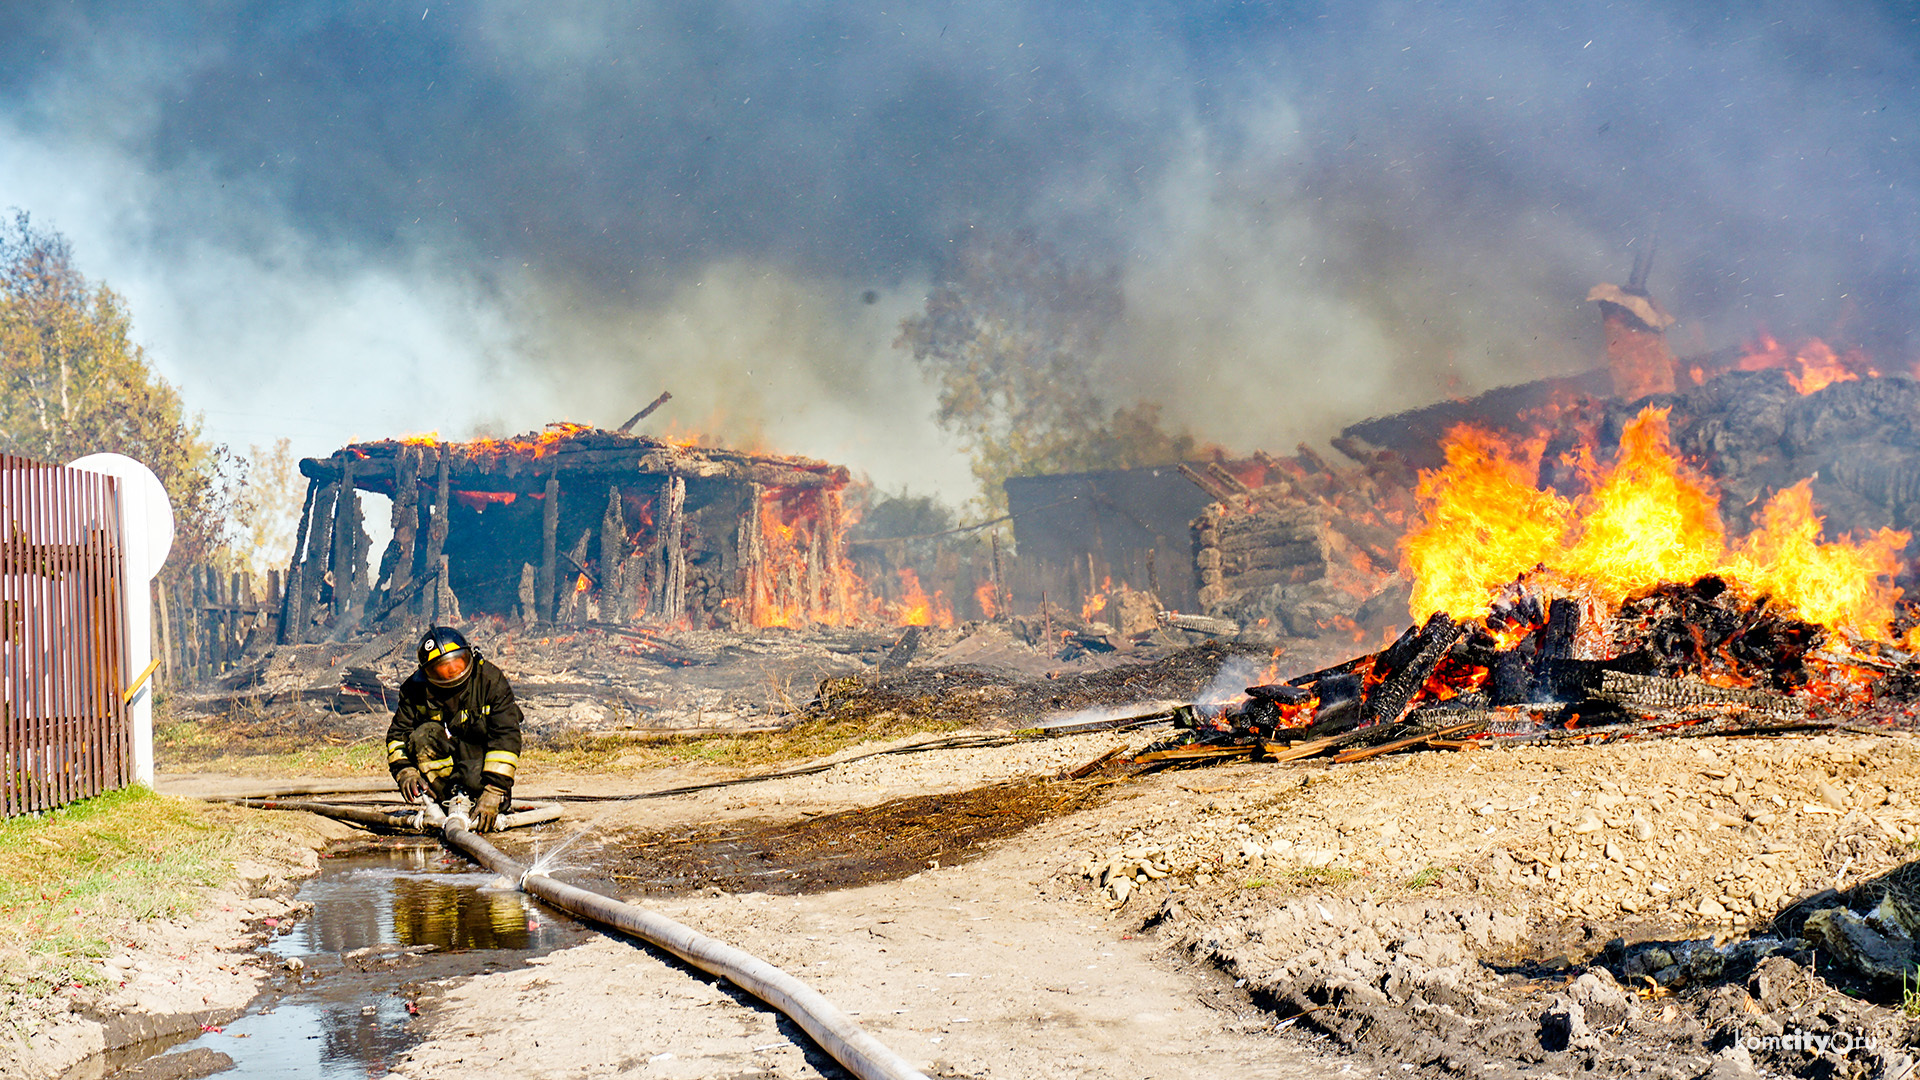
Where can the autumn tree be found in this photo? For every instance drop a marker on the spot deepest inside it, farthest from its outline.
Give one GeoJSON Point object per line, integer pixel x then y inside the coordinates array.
{"type": "Point", "coordinates": [73, 382]}
{"type": "Point", "coordinates": [1010, 341]}
{"type": "Point", "coordinates": [267, 510]}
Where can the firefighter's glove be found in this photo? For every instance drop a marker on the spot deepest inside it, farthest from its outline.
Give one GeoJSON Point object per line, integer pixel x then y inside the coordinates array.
{"type": "Point", "coordinates": [486, 812]}
{"type": "Point", "coordinates": [413, 786]}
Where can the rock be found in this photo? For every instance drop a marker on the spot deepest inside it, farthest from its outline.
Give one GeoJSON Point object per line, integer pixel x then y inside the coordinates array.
{"type": "Point", "coordinates": [1733, 1063]}
{"type": "Point", "coordinates": [1564, 1026]}
{"type": "Point", "coordinates": [1712, 909]}
{"type": "Point", "coordinates": [1601, 999]}
{"type": "Point", "coordinates": [1642, 828]}
{"type": "Point", "coordinates": [1856, 944]}
{"type": "Point", "coordinates": [1830, 795]}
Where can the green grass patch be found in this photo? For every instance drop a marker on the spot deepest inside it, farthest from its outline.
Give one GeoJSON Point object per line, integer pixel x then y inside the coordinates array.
{"type": "Point", "coordinates": [1326, 875]}
{"type": "Point", "coordinates": [1910, 995]}
{"type": "Point", "coordinates": [1426, 877]}
{"type": "Point", "coordinates": [68, 877]}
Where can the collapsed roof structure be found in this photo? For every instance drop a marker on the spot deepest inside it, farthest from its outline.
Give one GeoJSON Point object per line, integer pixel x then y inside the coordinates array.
{"type": "Point", "coordinates": [571, 525]}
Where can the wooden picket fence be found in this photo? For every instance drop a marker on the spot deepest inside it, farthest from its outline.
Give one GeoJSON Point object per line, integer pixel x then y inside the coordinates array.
{"type": "Point", "coordinates": [210, 621]}
{"type": "Point", "coordinates": [64, 732]}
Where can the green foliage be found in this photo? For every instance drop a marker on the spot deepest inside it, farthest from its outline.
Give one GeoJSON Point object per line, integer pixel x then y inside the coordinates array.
{"type": "Point", "coordinates": [1011, 343]}
{"type": "Point", "coordinates": [73, 382]}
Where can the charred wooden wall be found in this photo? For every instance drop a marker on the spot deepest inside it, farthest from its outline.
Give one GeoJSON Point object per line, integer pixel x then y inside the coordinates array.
{"type": "Point", "coordinates": [586, 526]}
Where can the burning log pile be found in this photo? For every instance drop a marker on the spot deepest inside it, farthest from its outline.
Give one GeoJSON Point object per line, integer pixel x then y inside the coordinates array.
{"type": "Point", "coordinates": [573, 525]}
{"type": "Point", "coordinates": [1621, 610]}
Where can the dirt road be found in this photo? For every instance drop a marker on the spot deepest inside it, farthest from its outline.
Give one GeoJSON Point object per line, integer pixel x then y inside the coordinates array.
{"type": "Point", "coordinates": [1430, 909]}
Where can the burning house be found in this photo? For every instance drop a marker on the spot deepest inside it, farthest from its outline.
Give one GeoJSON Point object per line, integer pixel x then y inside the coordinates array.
{"type": "Point", "coordinates": [571, 525]}
{"type": "Point", "coordinates": [1307, 546]}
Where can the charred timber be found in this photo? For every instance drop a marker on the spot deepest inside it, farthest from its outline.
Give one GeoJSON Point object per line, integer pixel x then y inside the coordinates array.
{"type": "Point", "coordinates": [1404, 669]}
{"type": "Point", "coordinates": [1654, 693]}
{"type": "Point", "coordinates": [527, 474]}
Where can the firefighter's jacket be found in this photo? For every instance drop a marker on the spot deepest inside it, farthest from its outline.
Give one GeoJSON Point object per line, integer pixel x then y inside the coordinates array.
{"type": "Point", "coordinates": [479, 716]}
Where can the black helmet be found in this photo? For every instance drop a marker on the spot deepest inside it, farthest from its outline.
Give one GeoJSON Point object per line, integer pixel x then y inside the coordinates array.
{"type": "Point", "coordinates": [440, 643]}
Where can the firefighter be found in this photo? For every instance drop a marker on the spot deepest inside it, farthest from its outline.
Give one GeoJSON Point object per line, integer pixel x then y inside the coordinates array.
{"type": "Point", "coordinates": [456, 729]}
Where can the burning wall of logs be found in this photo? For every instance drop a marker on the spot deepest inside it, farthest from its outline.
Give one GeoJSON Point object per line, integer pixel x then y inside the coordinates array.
{"type": "Point", "coordinates": [571, 525]}
{"type": "Point", "coordinates": [1299, 545]}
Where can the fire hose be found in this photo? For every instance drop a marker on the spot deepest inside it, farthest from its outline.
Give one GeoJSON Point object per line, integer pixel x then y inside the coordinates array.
{"type": "Point", "coordinates": [836, 1032]}
{"type": "Point", "coordinates": [414, 820]}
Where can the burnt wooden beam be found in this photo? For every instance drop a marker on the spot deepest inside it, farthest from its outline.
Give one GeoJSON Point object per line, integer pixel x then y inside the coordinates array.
{"type": "Point", "coordinates": [292, 604]}
{"type": "Point", "coordinates": [437, 528]}
{"type": "Point", "coordinates": [813, 600]}
{"type": "Point", "coordinates": [396, 565]}
{"type": "Point", "coordinates": [1405, 670]}
{"type": "Point", "coordinates": [613, 560]}
{"type": "Point", "coordinates": [1409, 742]}
{"type": "Point", "coordinates": [1207, 483]}
{"type": "Point", "coordinates": [1315, 462]}
{"type": "Point", "coordinates": [751, 548]}
{"type": "Point", "coordinates": [344, 562]}
{"type": "Point", "coordinates": [1657, 694]}
{"type": "Point", "coordinates": [313, 571]}
{"type": "Point", "coordinates": [665, 396]}
{"type": "Point", "coordinates": [672, 523]}
{"type": "Point", "coordinates": [832, 522]}
{"type": "Point", "coordinates": [524, 472]}
{"type": "Point", "coordinates": [543, 582]}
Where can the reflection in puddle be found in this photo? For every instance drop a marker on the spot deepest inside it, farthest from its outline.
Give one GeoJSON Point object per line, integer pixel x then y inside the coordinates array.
{"type": "Point", "coordinates": [418, 896]}
{"type": "Point", "coordinates": [349, 1019]}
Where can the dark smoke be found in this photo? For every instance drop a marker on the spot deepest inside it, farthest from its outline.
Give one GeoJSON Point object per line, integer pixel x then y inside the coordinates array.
{"type": "Point", "coordinates": [1321, 211]}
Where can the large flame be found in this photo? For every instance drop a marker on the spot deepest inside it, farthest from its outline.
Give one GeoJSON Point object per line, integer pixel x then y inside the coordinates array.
{"type": "Point", "coordinates": [1646, 520]}
{"type": "Point", "coordinates": [1812, 366]}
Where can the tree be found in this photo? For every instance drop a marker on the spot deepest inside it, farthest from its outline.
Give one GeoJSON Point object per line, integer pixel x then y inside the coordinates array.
{"type": "Point", "coordinates": [1010, 342]}
{"type": "Point", "coordinates": [73, 382]}
{"type": "Point", "coordinates": [268, 508]}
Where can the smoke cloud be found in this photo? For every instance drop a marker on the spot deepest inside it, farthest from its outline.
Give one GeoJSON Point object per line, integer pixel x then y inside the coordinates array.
{"type": "Point", "coordinates": [350, 220]}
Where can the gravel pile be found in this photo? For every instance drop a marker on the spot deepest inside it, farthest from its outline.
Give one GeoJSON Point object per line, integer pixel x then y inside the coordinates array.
{"type": "Point", "coordinates": [1720, 833]}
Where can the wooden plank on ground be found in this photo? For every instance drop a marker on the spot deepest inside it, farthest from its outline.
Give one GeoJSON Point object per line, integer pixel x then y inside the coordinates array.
{"type": "Point", "coordinates": [1424, 739]}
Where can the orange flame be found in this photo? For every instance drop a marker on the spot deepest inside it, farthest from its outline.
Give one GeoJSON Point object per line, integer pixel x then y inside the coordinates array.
{"type": "Point", "coordinates": [535, 445]}
{"type": "Point", "coordinates": [1812, 367]}
{"type": "Point", "coordinates": [581, 585]}
{"type": "Point", "coordinates": [1095, 604]}
{"type": "Point", "coordinates": [916, 608]}
{"type": "Point", "coordinates": [985, 595]}
{"type": "Point", "coordinates": [1646, 520]}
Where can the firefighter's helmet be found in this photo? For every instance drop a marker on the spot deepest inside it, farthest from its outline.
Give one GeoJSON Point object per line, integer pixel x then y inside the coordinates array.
{"type": "Point", "coordinates": [440, 644]}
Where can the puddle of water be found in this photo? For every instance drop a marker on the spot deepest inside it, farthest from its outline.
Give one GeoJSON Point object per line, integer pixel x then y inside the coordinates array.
{"type": "Point", "coordinates": [374, 916]}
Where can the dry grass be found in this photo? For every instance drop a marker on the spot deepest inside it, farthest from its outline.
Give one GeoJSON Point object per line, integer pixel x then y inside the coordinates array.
{"type": "Point", "coordinates": [253, 742]}
{"type": "Point", "coordinates": [805, 741]}
{"type": "Point", "coordinates": [215, 746]}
